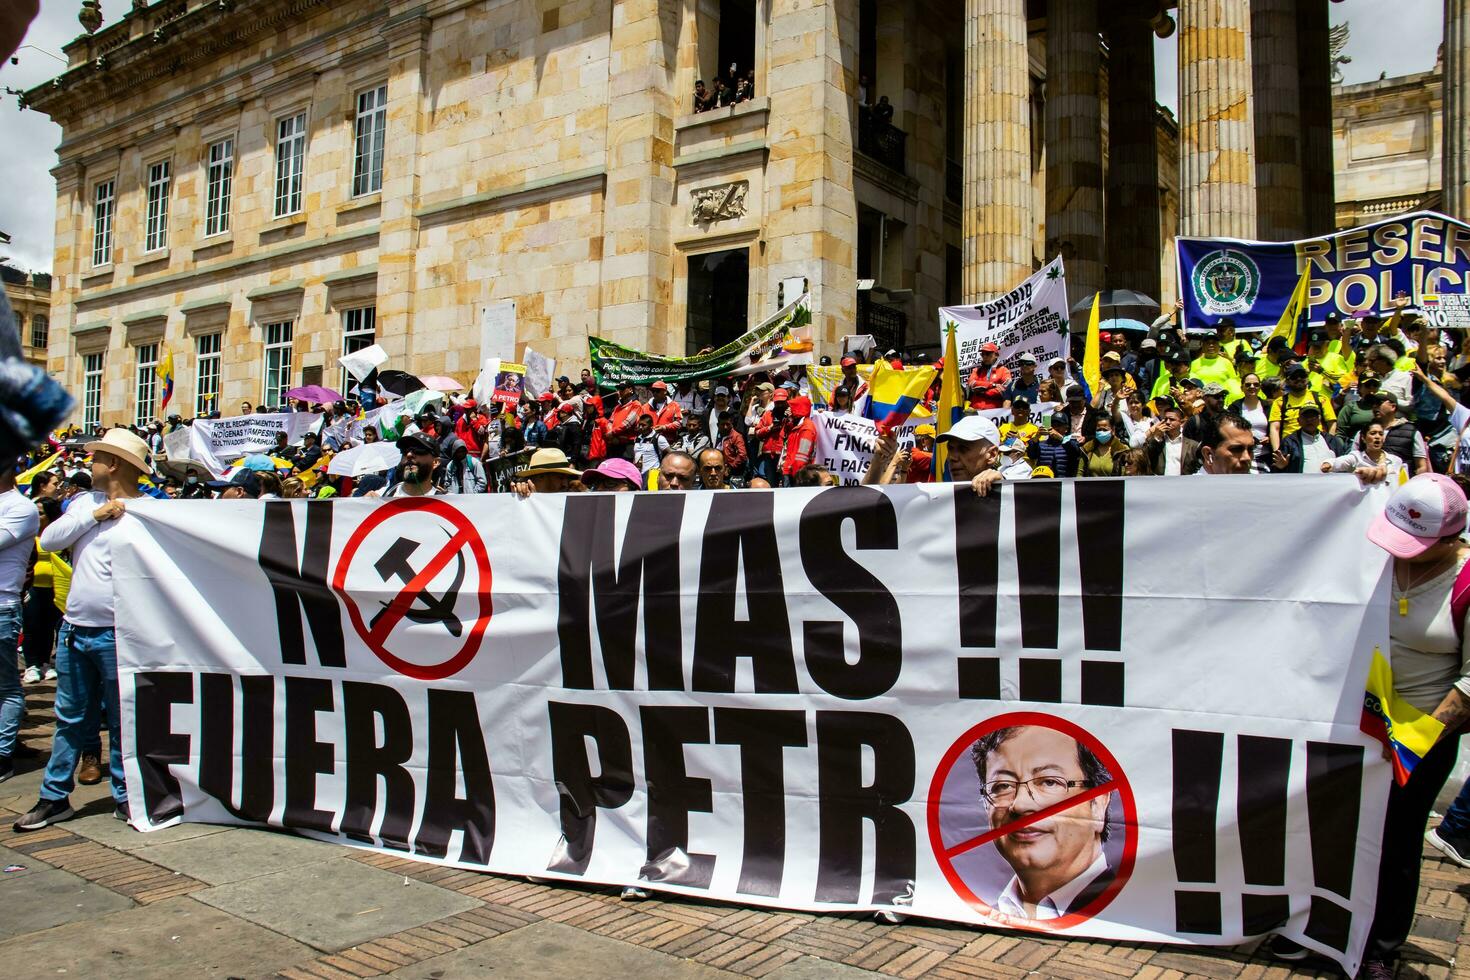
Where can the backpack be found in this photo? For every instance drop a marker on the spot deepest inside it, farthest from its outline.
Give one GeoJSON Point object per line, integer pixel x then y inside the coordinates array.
{"type": "Point", "coordinates": [1460, 600]}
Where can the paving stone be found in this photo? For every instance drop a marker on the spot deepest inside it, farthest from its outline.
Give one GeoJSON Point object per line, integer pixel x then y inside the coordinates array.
{"type": "Point", "coordinates": [102, 828]}
{"type": "Point", "coordinates": [41, 897]}
{"type": "Point", "coordinates": [335, 904]}
{"type": "Point", "coordinates": [174, 938]}
{"type": "Point", "coordinates": [550, 951]}
{"type": "Point", "coordinates": [814, 968]}
{"type": "Point", "coordinates": [241, 853]}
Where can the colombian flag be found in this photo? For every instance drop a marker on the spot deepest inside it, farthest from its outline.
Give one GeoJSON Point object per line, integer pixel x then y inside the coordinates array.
{"type": "Point", "coordinates": [951, 401]}
{"type": "Point", "coordinates": [893, 395]}
{"type": "Point", "coordinates": [166, 379]}
{"type": "Point", "coordinates": [1408, 733]}
{"type": "Point", "coordinates": [1294, 317]}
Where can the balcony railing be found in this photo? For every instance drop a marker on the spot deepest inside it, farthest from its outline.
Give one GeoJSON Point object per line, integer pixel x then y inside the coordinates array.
{"type": "Point", "coordinates": [881, 140]}
{"type": "Point", "coordinates": [886, 324]}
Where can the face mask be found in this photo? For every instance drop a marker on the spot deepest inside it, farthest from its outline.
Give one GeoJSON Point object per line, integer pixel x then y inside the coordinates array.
{"type": "Point", "coordinates": [192, 480]}
{"type": "Point", "coordinates": [1103, 438]}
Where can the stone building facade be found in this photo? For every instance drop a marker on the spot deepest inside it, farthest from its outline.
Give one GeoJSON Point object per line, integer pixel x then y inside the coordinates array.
{"type": "Point", "coordinates": [29, 294]}
{"type": "Point", "coordinates": [1387, 138]}
{"type": "Point", "coordinates": [257, 185]}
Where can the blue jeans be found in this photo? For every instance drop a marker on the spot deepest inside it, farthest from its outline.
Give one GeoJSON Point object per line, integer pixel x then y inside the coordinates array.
{"type": "Point", "coordinates": [12, 701]}
{"type": "Point", "coordinates": [1457, 818]}
{"type": "Point", "coordinates": [86, 667]}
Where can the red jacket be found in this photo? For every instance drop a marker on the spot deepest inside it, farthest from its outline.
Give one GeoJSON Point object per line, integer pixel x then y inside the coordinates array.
{"type": "Point", "coordinates": [667, 421]}
{"type": "Point", "coordinates": [470, 429]}
{"type": "Point", "coordinates": [988, 388]}
{"type": "Point", "coordinates": [733, 446]}
{"type": "Point", "coordinates": [624, 423]}
{"type": "Point", "coordinates": [800, 443]}
{"type": "Point", "coordinates": [769, 433]}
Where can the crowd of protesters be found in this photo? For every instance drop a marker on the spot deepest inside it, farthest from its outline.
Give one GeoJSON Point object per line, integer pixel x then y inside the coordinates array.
{"type": "Point", "coordinates": [1378, 394]}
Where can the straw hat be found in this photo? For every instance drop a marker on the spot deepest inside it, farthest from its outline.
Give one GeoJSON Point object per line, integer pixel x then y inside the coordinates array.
{"type": "Point", "coordinates": [125, 446]}
{"type": "Point", "coordinates": [550, 461]}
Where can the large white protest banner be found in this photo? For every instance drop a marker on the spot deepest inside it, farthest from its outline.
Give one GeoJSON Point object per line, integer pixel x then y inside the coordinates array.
{"type": "Point", "coordinates": [218, 443]}
{"type": "Point", "coordinates": [1033, 318]}
{"type": "Point", "coordinates": [809, 699]}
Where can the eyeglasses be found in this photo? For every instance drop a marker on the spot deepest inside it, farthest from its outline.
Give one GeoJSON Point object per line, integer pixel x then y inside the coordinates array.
{"type": "Point", "coordinates": [1043, 789]}
{"type": "Point", "coordinates": [1250, 387]}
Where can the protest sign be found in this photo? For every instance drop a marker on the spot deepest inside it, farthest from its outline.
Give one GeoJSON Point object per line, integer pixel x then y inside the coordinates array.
{"type": "Point", "coordinates": [811, 708]}
{"type": "Point", "coordinates": [845, 443]}
{"type": "Point", "coordinates": [1423, 254]}
{"type": "Point", "coordinates": [510, 382]}
{"type": "Point", "coordinates": [217, 443]}
{"type": "Point", "coordinates": [361, 363]}
{"type": "Point", "coordinates": [612, 363]}
{"type": "Point", "coordinates": [498, 330]}
{"type": "Point", "coordinates": [1033, 318]}
{"type": "Point", "coordinates": [540, 369]}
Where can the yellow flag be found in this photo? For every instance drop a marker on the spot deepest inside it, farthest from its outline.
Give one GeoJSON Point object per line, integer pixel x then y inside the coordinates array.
{"type": "Point", "coordinates": [1092, 353]}
{"type": "Point", "coordinates": [25, 478]}
{"type": "Point", "coordinates": [1297, 308]}
{"type": "Point", "coordinates": [951, 401]}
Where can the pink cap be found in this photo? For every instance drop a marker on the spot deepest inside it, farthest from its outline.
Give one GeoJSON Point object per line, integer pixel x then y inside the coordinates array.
{"type": "Point", "coordinates": [1421, 512]}
{"type": "Point", "coordinates": [616, 468]}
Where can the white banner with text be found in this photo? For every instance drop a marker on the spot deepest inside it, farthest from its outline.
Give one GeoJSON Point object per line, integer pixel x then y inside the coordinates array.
{"type": "Point", "coordinates": [1043, 709]}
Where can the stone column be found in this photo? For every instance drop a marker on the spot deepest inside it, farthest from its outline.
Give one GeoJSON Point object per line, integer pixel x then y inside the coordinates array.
{"type": "Point", "coordinates": [810, 206]}
{"type": "Point", "coordinates": [1456, 100]}
{"type": "Point", "coordinates": [1216, 130]}
{"type": "Point", "coordinates": [997, 202]}
{"type": "Point", "coordinates": [1276, 76]}
{"type": "Point", "coordinates": [1133, 246]}
{"type": "Point", "coordinates": [1314, 64]}
{"type": "Point", "coordinates": [1074, 180]}
{"type": "Point", "coordinates": [407, 34]}
{"type": "Point", "coordinates": [638, 263]}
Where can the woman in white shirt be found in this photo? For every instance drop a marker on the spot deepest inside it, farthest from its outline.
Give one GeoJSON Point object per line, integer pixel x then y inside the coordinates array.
{"type": "Point", "coordinates": [1420, 528]}
{"type": "Point", "coordinates": [1257, 412]}
{"type": "Point", "coordinates": [1369, 453]}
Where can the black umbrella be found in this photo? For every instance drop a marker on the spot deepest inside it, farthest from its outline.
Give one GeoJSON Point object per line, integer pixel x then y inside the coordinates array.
{"type": "Point", "coordinates": [1115, 298]}
{"type": "Point", "coordinates": [399, 383]}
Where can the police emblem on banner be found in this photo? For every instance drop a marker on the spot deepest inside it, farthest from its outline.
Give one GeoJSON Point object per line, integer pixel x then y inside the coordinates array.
{"type": "Point", "coordinates": [1226, 282]}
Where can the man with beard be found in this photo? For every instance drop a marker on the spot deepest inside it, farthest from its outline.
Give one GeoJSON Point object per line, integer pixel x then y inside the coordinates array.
{"type": "Point", "coordinates": [1059, 864]}
{"type": "Point", "coordinates": [416, 472]}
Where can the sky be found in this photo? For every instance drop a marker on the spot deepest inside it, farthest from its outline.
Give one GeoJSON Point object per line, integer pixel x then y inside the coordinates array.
{"type": "Point", "coordinates": [27, 207]}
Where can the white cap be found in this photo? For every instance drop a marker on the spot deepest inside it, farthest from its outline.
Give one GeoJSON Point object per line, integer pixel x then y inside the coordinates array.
{"type": "Point", "coordinates": [973, 428]}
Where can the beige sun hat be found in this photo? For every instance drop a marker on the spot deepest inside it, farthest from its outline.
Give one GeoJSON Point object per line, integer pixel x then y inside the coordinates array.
{"type": "Point", "coordinates": [125, 446]}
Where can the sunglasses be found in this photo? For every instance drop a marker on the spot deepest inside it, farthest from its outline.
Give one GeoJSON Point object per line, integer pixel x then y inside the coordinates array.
{"type": "Point", "coordinates": [1250, 387]}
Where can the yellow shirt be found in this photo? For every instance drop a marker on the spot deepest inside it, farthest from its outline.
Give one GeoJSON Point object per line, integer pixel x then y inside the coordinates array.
{"type": "Point", "coordinates": [1288, 409]}
{"type": "Point", "coordinates": [1217, 369]}
{"type": "Point", "coordinates": [1025, 433]}
{"type": "Point", "coordinates": [41, 576]}
{"type": "Point", "coordinates": [1334, 366]}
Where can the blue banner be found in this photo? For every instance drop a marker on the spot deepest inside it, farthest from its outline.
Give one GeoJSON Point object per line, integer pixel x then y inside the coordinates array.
{"type": "Point", "coordinates": [1419, 254]}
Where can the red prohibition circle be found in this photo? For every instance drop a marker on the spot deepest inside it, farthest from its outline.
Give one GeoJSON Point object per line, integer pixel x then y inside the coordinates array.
{"type": "Point", "coordinates": [1120, 785]}
{"type": "Point", "coordinates": [467, 535]}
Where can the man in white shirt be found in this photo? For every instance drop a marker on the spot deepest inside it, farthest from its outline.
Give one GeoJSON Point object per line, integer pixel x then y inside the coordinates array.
{"type": "Point", "coordinates": [1059, 864]}
{"type": "Point", "coordinates": [19, 523]}
{"type": "Point", "coordinates": [86, 650]}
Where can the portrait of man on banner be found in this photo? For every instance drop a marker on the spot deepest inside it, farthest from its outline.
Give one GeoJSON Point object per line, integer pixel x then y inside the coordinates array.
{"type": "Point", "coordinates": [1058, 863]}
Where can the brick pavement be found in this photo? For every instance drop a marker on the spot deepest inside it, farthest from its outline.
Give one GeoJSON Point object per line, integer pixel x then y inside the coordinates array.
{"type": "Point", "coordinates": [255, 903]}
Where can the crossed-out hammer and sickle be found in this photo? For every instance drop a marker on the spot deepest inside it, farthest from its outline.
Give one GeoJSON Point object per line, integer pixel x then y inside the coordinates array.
{"type": "Point", "coordinates": [395, 564]}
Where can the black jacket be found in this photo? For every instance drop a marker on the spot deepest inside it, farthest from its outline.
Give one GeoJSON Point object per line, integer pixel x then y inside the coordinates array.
{"type": "Point", "coordinates": [1291, 446]}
